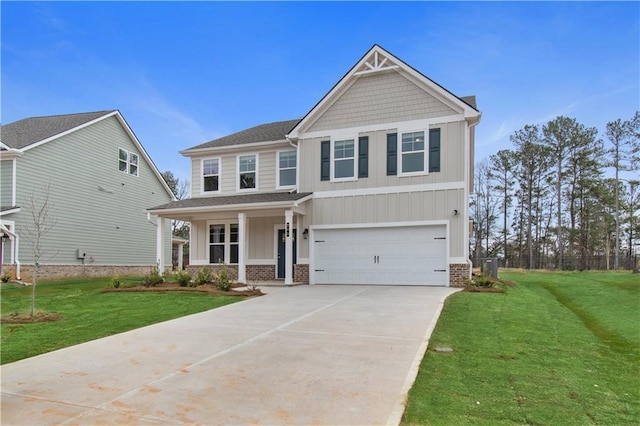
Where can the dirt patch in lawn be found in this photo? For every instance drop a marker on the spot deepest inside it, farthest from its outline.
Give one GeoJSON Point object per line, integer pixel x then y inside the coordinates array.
{"type": "Point", "coordinates": [24, 318]}
{"type": "Point", "coordinates": [169, 287]}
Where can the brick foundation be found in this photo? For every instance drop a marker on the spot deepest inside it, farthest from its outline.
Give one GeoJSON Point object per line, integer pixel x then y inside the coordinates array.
{"type": "Point", "coordinates": [458, 272]}
{"type": "Point", "coordinates": [261, 273]}
{"type": "Point", "coordinates": [301, 273]}
{"type": "Point", "coordinates": [51, 272]}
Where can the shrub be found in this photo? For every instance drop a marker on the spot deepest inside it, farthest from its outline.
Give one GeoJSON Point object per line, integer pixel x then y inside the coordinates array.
{"type": "Point", "coordinates": [203, 276]}
{"type": "Point", "coordinates": [183, 278]}
{"type": "Point", "coordinates": [5, 277]}
{"type": "Point", "coordinates": [153, 278]}
{"type": "Point", "coordinates": [116, 282]}
{"type": "Point", "coordinates": [480, 281]}
{"type": "Point", "coordinates": [222, 279]}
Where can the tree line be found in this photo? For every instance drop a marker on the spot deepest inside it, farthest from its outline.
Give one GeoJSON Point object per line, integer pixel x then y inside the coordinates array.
{"type": "Point", "coordinates": [561, 198]}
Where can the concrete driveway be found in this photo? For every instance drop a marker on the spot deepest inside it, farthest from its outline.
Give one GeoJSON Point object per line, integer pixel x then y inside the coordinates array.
{"type": "Point", "coordinates": [301, 355]}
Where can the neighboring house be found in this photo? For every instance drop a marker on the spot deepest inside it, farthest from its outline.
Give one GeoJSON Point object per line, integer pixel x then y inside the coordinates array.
{"type": "Point", "coordinates": [370, 187]}
{"type": "Point", "coordinates": [100, 181]}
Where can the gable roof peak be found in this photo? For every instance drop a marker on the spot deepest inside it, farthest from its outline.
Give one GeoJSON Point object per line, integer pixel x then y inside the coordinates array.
{"type": "Point", "coordinates": [28, 131]}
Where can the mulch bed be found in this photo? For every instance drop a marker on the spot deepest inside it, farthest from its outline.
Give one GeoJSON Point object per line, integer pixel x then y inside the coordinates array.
{"type": "Point", "coordinates": [24, 318]}
{"type": "Point", "coordinates": [169, 287]}
{"type": "Point", "coordinates": [475, 289]}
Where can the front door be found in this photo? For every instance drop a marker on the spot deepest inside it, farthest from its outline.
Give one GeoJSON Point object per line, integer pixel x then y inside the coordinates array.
{"type": "Point", "coordinates": [281, 252]}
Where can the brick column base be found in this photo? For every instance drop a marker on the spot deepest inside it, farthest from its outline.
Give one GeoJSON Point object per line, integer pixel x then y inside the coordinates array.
{"type": "Point", "coordinates": [458, 272]}
{"type": "Point", "coordinates": [301, 273]}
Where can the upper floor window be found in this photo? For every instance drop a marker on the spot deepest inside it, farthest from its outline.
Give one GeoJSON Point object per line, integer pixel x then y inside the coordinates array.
{"type": "Point", "coordinates": [413, 153]}
{"type": "Point", "coordinates": [211, 175]}
{"type": "Point", "coordinates": [287, 161]}
{"type": "Point", "coordinates": [127, 162]}
{"type": "Point", "coordinates": [344, 159]}
{"type": "Point", "coordinates": [247, 172]}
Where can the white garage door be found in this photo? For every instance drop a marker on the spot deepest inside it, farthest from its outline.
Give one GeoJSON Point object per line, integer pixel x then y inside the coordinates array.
{"type": "Point", "coordinates": [409, 255]}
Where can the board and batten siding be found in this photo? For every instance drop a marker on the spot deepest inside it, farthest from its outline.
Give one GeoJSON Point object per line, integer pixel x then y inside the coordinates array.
{"type": "Point", "coordinates": [96, 208]}
{"type": "Point", "coordinates": [451, 164]}
{"type": "Point", "coordinates": [267, 170]}
{"type": "Point", "coordinates": [396, 207]}
{"type": "Point", "coordinates": [6, 182]}
{"type": "Point", "coordinates": [380, 98]}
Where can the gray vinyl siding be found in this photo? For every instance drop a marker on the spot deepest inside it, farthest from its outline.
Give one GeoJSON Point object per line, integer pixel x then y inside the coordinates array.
{"type": "Point", "coordinates": [6, 182]}
{"type": "Point", "coordinates": [267, 170]}
{"type": "Point", "coordinates": [451, 162]}
{"type": "Point", "coordinates": [380, 98]}
{"type": "Point", "coordinates": [396, 207]}
{"type": "Point", "coordinates": [97, 208]}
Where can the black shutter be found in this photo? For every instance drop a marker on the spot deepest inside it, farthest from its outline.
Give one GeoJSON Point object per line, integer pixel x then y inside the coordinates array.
{"type": "Point", "coordinates": [325, 160]}
{"type": "Point", "coordinates": [363, 156]}
{"type": "Point", "coordinates": [392, 154]}
{"type": "Point", "coordinates": [434, 150]}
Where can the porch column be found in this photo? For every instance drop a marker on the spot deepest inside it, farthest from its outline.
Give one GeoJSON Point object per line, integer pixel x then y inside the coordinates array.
{"type": "Point", "coordinates": [160, 244]}
{"type": "Point", "coordinates": [242, 268]}
{"type": "Point", "coordinates": [180, 256]}
{"type": "Point", "coordinates": [288, 247]}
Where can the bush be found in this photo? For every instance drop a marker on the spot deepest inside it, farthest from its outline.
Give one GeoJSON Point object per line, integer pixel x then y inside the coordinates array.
{"type": "Point", "coordinates": [153, 278]}
{"type": "Point", "coordinates": [5, 277]}
{"type": "Point", "coordinates": [183, 278]}
{"type": "Point", "coordinates": [116, 282]}
{"type": "Point", "coordinates": [203, 276]}
{"type": "Point", "coordinates": [480, 281]}
{"type": "Point", "coordinates": [222, 279]}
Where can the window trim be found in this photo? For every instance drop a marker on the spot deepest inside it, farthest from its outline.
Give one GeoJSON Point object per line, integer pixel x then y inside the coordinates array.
{"type": "Point", "coordinates": [257, 182]}
{"type": "Point", "coordinates": [202, 175]}
{"type": "Point", "coordinates": [278, 170]}
{"type": "Point", "coordinates": [227, 241]}
{"type": "Point", "coordinates": [354, 158]}
{"type": "Point", "coordinates": [128, 162]}
{"type": "Point", "coordinates": [425, 153]}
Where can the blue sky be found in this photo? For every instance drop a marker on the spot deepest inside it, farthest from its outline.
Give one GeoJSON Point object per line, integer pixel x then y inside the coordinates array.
{"type": "Point", "coordinates": [184, 73]}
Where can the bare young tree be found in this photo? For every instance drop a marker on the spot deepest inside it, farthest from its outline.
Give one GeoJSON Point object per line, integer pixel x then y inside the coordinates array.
{"type": "Point", "coordinates": [42, 222]}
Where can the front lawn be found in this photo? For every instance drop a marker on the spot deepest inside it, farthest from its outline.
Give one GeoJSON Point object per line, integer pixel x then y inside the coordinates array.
{"type": "Point", "coordinates": [558, 348]}
{"type": "Point", "coordinates": [89, 314]}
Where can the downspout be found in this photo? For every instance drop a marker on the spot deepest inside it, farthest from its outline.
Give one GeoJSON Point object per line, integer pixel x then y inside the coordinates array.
{"type": "Point", "coordinates": [151, 221]}
{"type": "Point", "coordinates": [467, 193]}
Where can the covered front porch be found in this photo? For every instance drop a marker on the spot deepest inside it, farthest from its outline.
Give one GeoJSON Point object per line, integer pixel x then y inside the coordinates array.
{"type": "Point", "coordinates": [259, 237]}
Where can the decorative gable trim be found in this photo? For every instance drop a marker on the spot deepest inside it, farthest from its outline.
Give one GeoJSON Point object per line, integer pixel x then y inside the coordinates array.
{"type": "Point", "coordinates": [377, 60]}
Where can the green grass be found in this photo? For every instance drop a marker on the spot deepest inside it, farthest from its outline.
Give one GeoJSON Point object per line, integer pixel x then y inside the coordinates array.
{"type": "Point", "coordinates": [89, 314]}
{"type": "Point", "coordinates": [557, 349]}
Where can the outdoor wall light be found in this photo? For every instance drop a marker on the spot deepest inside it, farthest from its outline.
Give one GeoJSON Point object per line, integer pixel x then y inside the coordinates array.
{"type": "Point", "coordinates": [305, 234]}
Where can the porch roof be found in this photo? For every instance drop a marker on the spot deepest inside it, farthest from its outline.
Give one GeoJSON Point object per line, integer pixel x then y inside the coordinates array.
{"type": "Point", "coordinates": [231, 202]}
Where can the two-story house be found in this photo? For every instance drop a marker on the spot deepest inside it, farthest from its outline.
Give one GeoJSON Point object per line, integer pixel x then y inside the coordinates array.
{"type": "Point", "coordinates": [370, 187]}
{"type": "Point", "coordinates": [97, 181]}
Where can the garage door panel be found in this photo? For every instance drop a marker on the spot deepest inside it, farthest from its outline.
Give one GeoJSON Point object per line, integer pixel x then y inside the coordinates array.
{"type": "Point", "coordinates": [393, 255]}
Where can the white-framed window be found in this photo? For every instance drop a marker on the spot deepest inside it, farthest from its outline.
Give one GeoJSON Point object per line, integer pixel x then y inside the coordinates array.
{"type": "Point", "coordinates": [344, 159]}
{"type": "Point", "coordinates": [413, 155]}
{"type": "Point", "coordinates": [287, 164]}
{"type": "Point", "coordinates": [127, 162]}
{"type": "Point", "coordinates": [223, 243]}
{"type": "Point", "coordinates": [210, 175]}
{"type": "Point", "coordinates": [247, 172]}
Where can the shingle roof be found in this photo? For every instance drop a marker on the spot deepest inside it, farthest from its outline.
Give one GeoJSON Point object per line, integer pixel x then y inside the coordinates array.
{"type": "Point", "coordinates": [28, 131]}
{"type": "Point", "coordinates": [262, 133]}
{"type": "Point", "coordinates": [270, 197]}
